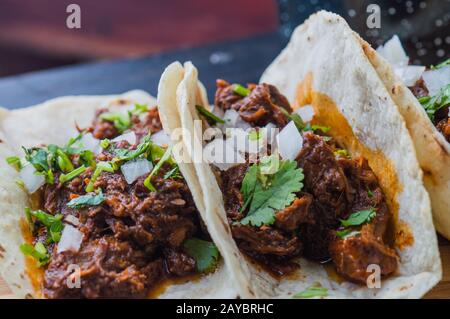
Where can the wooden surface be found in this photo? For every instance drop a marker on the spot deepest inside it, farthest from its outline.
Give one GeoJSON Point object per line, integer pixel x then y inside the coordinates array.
{"type": "Point", "coordinates": [241, 62]}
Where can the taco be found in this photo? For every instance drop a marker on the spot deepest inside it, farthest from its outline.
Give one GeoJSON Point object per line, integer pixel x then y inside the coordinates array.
{"type": "Point", "coordinates": [423, 99]}
{"type": "Point", "coordinates": [93, 205]}
{"type": "Point", "coordinates": [316, 173]}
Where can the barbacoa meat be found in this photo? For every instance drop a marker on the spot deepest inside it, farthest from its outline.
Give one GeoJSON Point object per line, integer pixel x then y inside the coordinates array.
{"type": "Point", "coordinates": [335, 186]}
{"type": "Point", "coordinates": [441, 118]}
{"type": "Point", "coordinates": [261, 106]}
{"type": "Point", "coordinates": [134, 239]}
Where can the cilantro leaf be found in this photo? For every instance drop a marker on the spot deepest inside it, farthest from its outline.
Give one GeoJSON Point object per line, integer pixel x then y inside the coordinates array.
{"type": "Point", "coordinates": [440, 65]}
{"type": "Point", "coordinates": [204, 252]}
{"type": "Point", "coordinates": [432, 104]}
{"type": "Point", "coordinates": [53, 224]}
{"type": "Point", "coordinates": [346, 233]}
{"type": "Point", "coordinates": [166, 157]}
{"type": "Point", "coordinates": [71, 175]}
{"type": "Point", "coordinates": [359, 218]}
{"type": "Point", "coordinates": [87, 200]}
{"type": "Point", "coordinates": [15, 162]}
{"type": "Point", "coordinates": [38, 252]}
{"type": "Point", "coordinates": [314, 290]}
{"type": "Point", "coordinates": [122, 121]}
{"type": "Point", "coordinates": [341, 152]}
{"type": "Point", "coordinates": [210, 117]}
{"type": "Point", "coordinates": [274, 194]}
{"type": "Point", "coordinates": [173, 173]}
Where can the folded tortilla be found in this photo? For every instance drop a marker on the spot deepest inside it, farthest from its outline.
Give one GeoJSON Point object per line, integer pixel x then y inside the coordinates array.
{"type": "Point", "coordinates": [433, 151]}
{"type": "Point", "coordinates": [53, 122]}
{"type": "Point", "coordinates": [324, 65]}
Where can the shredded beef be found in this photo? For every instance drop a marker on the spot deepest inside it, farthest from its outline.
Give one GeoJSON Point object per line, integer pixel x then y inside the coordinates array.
{"type": "Point", "coordinates": [335, 186]}
{"type": "Point", "coordinates": [262, 106]}
{"type": "Point", "coordinates": [134, 239]}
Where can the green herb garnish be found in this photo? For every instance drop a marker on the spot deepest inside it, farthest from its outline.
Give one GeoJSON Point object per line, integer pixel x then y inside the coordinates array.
{"type": "Point", "coordinates": [359, 218]}
{"type": "Point", "coordinates": [105, 143]}
{"type": "Point", "coordinates": [346, 233]}
{"type": "Point", "coordinates": [274, 192]}
{"type": "Point", "coordinates": [440, 65]}
{"type": "Point", "coordinates": [71, 175]}
{"type": "Point", "coordinates": [314, 127]}
{"type": "Point", "coordinates": [209, 117]}
{"type": "Point", "coordinates": [255, 135]}
{"type": "Point", "coordinates": [121, 121]}
{"type": "Point", "coordinates": [341, 152]}
{"type": "Point", "coordinates": [173, 173]}
{"type": "Point", "coordinates": [15, 162]}
{"type": "Point", "coordinates": [204, 252]}
{"type": "Point", "coordinates": [295, 118]}
{"type": "Point", "coordinates": [370, 193]}
{"type": "Point", "coordinates": [87, 200]}
{"type": "Point", "coordinates": [53, 224]}
{"type": "Point", "coordinates": [241, 90]}
{"type": "Point", "coordinates": [101, 167]}
{"type": "Point", "coordinates": [432, 104]}
{"type": "Point", "coordinates": [166, 157]}
{"type": "Point", "coordinates": [315, 290]}
{"type": "Point", "coordinates": [38, 252]}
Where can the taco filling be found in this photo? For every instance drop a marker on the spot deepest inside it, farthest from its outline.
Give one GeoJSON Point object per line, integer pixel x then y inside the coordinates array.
{"type": "Point", "coordinates": [296, 192]}
{"type": "Point", "coordinates": [112, 207]}
{"type": "Point", "coordinates": [430, 85]}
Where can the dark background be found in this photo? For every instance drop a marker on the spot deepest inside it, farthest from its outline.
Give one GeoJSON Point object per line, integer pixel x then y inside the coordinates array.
{"type": "Point", "coordinates": [34, 36]}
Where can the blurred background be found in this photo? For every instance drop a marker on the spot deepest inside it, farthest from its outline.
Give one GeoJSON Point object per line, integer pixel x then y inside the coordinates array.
{"type": "Point", "coordinates": [34, 35]}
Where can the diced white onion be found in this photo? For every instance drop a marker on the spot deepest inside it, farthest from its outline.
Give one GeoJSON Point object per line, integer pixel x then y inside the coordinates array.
{"type": "Point", "coordinates": [222, 154]}
{"type": "Point", "coordinates": [233, 119]}
{"type": "Point", "coordinates": [271, 131]}
{"type": "Point", "coordinates": [306, 113]}
{"type": "Point", "coordinates": [290, 141]}
{"type": "Point", "coordinates": [436, 79]}
{"type": "Point", "coordinates": [72, 220]}
{"type": "Point", "coordinates": [71, 239]}
{"type": "Point", "coordinates": [132, 170]}
{"type": "Point", "coordinates": [393, 52]}
{"type": "Point", "coordinates": [161, 138]}
{"type": "Point", "coordinates": [130, 137]}
{"type": "Point", "coordinates": [89, 142]}
{"type": "Point", "coordinates": [31, 180]}
{"type": "Point", "coordinates": [409, 74]}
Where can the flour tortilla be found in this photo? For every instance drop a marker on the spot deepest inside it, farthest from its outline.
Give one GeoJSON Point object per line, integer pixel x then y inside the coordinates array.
{"type": "Point", "coordinates": [326, 49]}
{"type": "Point", "coordinates": [54, 122]}
{"type": "Point", "coordinates": [433, 151]}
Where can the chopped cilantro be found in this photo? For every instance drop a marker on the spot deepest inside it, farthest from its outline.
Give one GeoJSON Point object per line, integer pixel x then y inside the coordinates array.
{"type": "Point", "coordinates": [370, 193]}
{"type": "Point", "coordinates": [166, 157]}
{"type": "Point", "coordinates": [346, 233]}
{"type": "Point", "coordinates": [315, 290]}
{"type": "Point", "coordinates": [240, 90]}
{"type": "Point", "coordinates": [15, 162]}
{"type": "Point", "coordinates": [173, 173]}
{"type": "Point", "coordinates": [441, 65]}
{"type": "Point", "coordinates": [295, 118]}
{"type": "Point", "coordinates": [38, 252]}
{"type": "Point", "coordinates": [276, 192]}
{"type": "Point", "coordinates": [432, 104]}
{"type": "Point", "coordinates": [53, 224]}
{"type": "Point", "coordinates": [315, 127]}
{"type": "Point", "coordinates": [121, 121]}
{"type": "Point", "coordinates": [359, 218]}
{"type": "Point", "coordinates": [71, 175]}
{"type": "Point", "coordinates": [87, 200]}
{"type": "Point", "coordinates": [101, 167]}
{"type": "Point", "coordinates": [209, 117]}
{"type": "Point", "coordinates": [105, 143]}
{"type": "Point", "coordinates": [204, 252]}
{"type": "Point", "coordinates": [341, 152]}
{"type": "Point", "coordinates": [255, 135]}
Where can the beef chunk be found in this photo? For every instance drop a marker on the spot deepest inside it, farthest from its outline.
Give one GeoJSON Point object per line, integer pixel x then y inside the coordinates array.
{"type": "Point", "coordinates": [179, 264]}
{"type": "Point", "coordinates": [443, 126]}
{"type": "Point", "coordinates": [354, 254]}
{"type": "Point", "coordinates": [262, 106]}
{"type": "Point", "coordinates": [108, 269]}
{"type": "Point", "coordinates": [103, 129]}
{"type": "Point", "coordinates": [419, 89]}
{"type": "Point", "coordinates": [295, 214]}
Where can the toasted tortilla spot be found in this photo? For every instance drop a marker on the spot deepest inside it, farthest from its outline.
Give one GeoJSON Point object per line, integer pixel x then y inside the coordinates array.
{"type": "Point", "coordinates": [326, 113]}
{"type": "Point", "coordinates": [2, 249]}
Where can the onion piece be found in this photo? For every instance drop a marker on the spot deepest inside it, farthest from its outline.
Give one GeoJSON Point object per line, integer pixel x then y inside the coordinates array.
{"type": "Point", "coordinates": [71, 239]}
{"type": "Point", "coordinates": [436, 79]}
{"type": "Point", "coordinates": [222, 154]}
{"type": "Point", "coordinates": [409, 74]}
{"type": "Point", "coordinates": [31, 180]}
{"type": "Point", "coordinates": [290, 141]}
{"type": "Point", "coordinates": [161, 138]}
{"type": "Point", "coordinates": [89, 142]}
{"type": "Point", "coordinates": [393, 52]}
{"type": "Point", "coordinates": [72, 220]}
{"type": "Point", "coordinates": [233, 119]}
{"type": "Point", "coordinates": [130, 137]}
{"type": "Point", "coordinates": [132, 170]}
{"type": "Point", "coordinates": [306, 113]}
